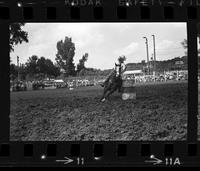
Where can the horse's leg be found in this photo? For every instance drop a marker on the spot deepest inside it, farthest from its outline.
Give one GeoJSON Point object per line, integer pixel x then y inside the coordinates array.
{"type": "Point", "coordinates": [104, 94]}
{"type": "Point", "coordinates": [110, 92]}
{"type": "Point", "coordinates": [103, 97]}
{"type": "Point", "coordinates": [120, 86]}
{"type": "Point", "coordinates": [120, 89]}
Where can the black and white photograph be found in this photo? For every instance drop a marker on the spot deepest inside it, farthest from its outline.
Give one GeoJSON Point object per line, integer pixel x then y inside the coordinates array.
{"type": "Point", "coordinates": [198, 52]}
{"type": "Point", "coordinates": [112, 81]}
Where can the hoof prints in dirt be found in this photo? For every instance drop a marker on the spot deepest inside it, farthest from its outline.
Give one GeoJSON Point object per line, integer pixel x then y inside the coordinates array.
{"type": "Point", "coordinates": [157, 114]}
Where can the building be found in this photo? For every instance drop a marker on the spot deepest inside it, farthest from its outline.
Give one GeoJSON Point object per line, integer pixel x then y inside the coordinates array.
{"type": "Point", "coordinates": [132, 74]}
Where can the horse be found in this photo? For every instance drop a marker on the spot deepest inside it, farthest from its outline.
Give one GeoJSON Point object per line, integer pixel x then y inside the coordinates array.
{"type": "Point", "coordinates": [112, 83]}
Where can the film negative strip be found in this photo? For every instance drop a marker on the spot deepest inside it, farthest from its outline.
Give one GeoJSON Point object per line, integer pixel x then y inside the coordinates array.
{"type": "Point", "coordinates": [99, 83]}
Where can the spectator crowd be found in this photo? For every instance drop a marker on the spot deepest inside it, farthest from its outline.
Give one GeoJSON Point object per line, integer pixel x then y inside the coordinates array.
{"type": "Point", "coordinates": [74, 83]}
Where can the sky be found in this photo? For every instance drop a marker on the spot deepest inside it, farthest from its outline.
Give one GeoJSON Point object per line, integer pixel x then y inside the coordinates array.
{"type": "Point", "coordinates": [104, 42]}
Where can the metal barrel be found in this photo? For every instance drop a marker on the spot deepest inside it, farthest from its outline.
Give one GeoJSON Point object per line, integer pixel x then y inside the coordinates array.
{"type": "Point", "coordinates": [128, 89]}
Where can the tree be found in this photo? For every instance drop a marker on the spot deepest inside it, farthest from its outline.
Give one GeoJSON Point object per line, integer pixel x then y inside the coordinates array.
{"type": "Point", "coordinates": [32, 66]}
{"type": "Point", "coordinates": [82, 72]}
{"type": "Point", "coordinates": [41, 63]}
{"type": "Point", "coordinates": [65, 55]}
{"type": "Point", "coordinates": [81, 64]}
{"type": "Point", "coordinates": [13, 71]}
{"type": "Point", "coordinates": [35, 68]}
{"type": "Point", "coordinates": [56, 71]}
{"type": "Point", "coordinates": [40, 68]}
{"type": "Point", "coordinates": [184, 44]}
{"type": "Point", "coordinates": [17, 35]}
{"type": "Point", "coordinates": [22, 72]}
{"type": "Point", "coordinates": [51, 69]}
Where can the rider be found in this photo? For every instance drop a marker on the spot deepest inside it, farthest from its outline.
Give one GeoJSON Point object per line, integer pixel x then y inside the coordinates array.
{"type": "Point", "coordinates": [122, 68]}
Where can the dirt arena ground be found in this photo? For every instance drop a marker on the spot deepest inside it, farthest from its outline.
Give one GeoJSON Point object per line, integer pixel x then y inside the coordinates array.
{"type": "Point", "coordinates": [198, 111]}
{"type": "Point", "coordinates": [158, 113]}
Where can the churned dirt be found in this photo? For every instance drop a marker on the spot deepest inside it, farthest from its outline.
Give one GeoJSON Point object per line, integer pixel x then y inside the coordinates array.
{"type": "Point", "coordinates": [158, 113]}
{"type": "Point", "coordinates": [198, 117]}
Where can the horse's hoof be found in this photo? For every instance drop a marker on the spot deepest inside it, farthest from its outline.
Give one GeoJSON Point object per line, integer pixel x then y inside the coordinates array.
{"type": "Point", "coordinates": [103, 100]}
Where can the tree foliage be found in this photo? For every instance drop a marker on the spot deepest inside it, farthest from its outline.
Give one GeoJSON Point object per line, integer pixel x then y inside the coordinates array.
{"type": "Point", "coordinates": [81, 64]}
{"type": "Point", "coordinates": [47, 67]}
{"type": "Point", "coordinates": [184, 43]}
{"type": "Point", "coordinates": [65, 55]}
{"type": "Point", "coordinates": [31, 65]}
{"type": "Point", "coordinates": [94, 72]}
{"type": "Point", "coordinates": [35, 68]}
{"type": "Point", "coordinates": [17, 35]}
{"type": "Point", "coordinates": [13, 71]}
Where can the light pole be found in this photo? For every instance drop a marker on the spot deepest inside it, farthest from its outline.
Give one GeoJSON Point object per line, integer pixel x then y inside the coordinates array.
{"type": "Point", "coordinates": [154, 51]}
{"type": "Point", "coordinates": [147, 54]}
{"type": "Point", "coordinates": [154, 48]}
{"type": "Point", "coordinates": [18, 67]}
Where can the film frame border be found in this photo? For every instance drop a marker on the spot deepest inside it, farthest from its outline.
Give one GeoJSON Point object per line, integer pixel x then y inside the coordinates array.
{"type": "Point", "coordinates": [100, 153]}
